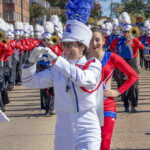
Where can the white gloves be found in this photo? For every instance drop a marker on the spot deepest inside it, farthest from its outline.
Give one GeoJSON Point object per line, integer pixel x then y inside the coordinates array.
{"type": "Point", "coordinates": [36, 55]}
{"type": "Point", "coordinates": [50, 54]}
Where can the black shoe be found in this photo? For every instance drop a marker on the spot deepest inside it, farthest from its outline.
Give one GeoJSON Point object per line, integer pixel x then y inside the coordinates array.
{"type": "Point", "coordinates": [46, 113]}
{"type": "Point", "coordinates": [3, 109]}
{"type": "Point", "coordinates": [133, 110]}
{"type": "Point", "coordinates": [10, 88]}
{"type": "Point", "coordinates": [52, 113]}
{"type": "Point", "coordinates": [18, 83]}
{"type": "Point", "coordinates": [126, 109]}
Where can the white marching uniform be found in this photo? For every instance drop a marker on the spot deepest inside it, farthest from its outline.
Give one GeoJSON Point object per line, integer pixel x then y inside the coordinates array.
{"type": "Point", "coordinates": [78, 118]}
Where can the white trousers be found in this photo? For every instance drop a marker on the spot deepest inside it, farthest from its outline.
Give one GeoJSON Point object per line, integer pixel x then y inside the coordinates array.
{"type": "Point", "coordinates": [78, 131]}
{"type": "Point", "coordinates": [89, 146]}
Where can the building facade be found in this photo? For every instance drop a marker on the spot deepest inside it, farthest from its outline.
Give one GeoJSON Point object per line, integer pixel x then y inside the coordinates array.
{"type": "Point", "coordinates": [1, 9]}
{"type": "Point", "coordinates": [15, 10]}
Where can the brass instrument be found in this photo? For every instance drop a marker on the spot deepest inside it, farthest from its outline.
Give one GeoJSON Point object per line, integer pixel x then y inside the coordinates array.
{"type": "Point", "coordinates": [2, 39]}
{"type": "Point", "coordinates": [2, 34]}
{"type": "Point", "coordinates": [5, 41]}
{"type": "Point", "coordinates": [54, 40]}
{"type": "Point", "coordinates": [134, 31]}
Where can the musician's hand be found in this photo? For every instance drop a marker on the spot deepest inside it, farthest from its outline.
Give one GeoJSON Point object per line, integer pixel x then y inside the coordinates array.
{"type": "Point", "coordinates": [111, 93]}
{"type": "Point", "coordinates": [129, 39]}
{"type": "Point", "coordinates": [51, 55]}
{"type": "Point", "coordinates": [36, 55]}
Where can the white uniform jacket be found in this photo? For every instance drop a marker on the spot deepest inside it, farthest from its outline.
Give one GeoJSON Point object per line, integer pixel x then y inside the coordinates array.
{"type": "Point", "coordinates": [63, 73]}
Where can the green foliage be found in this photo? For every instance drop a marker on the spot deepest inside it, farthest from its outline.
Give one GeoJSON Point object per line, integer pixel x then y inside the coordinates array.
{"type": "Point", "coordinates": [58, 3]}
{"type": "Point", "coordinates": [37, 11]}
{"type": "Point", "coordinates": [61, 4]}
{"type": "Point", "coordinates": [134, 6]}
{"type": "Point", "coordinates": [96, 12]}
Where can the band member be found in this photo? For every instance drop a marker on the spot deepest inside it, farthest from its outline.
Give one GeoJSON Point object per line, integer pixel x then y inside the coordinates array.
{"type": "Point", "coordinates": [127, 47]}
{"type": "Point", "coordinates": [107, 29]}
{"type": "Point", "coordinates": [5, 52]}
{"type": "Point", "coordinates": [146, 51]}
{"type": "Point", "coordinates": [142, 38]}
{"type": "Point", "coordinates": [42, 65]}
{"type": "Point", "coordinates": [80, 84]}
{"type": "Point", "coordinates": [110, 61]}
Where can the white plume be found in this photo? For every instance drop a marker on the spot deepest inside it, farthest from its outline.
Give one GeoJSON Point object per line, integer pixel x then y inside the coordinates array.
{"type": "Point", "coordinates": [2, 25]}
{"type": "Point", "coordinates": [49, 27]}
{"type": "Point", "coordinates": [55, 19]}
{"type": "Point", "coordinates": [31, 28]}
{"type": "Point", "coordinates": [11, 27]}
{"type": "Point", "coordinates": [146, 23]}
{"type": "Point", "coordinates": [17, 25]}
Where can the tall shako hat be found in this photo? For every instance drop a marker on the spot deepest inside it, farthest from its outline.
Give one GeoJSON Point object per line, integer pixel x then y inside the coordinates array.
{"type": "Point", "coordinates": [31, 29]}
{"type": "Point", "coordinates": [126, 21]}
{"type": "Point", "coordinates": [57, 25]}
{"type": "Point", "coordinates": [115, 23]}
{"type": "Point", "coordinates": [49, 30]}
{"type": "Point", "coordinates": [107, 28]}
{"type": "Point", "coordinates": [146, 25]}
{"type": "Point", "coordinates": [77, 13]}
{"type": "Point", "coordinates": [8, 32]}
{"type": "Point", "coordinates": [2, 25]}
{"type": "Point", "coordinates": [37, 30]}
{"type": "Point", "coordinates": [17, 28]}
{"type": "Point", "coordinates": [26, 29]}
{"type": "Point", "coordinates": [21, 28]}
{"type": "Point", "coordinates": [10, 29]}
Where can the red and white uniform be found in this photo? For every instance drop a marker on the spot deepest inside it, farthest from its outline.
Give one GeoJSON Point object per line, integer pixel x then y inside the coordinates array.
{"type": "Point", "coordinates": [110, 61]}
{"type": "Point", "coordinates": [76, 110]}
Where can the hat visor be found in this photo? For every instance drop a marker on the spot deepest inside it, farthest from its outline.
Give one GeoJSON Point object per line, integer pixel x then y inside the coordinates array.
{"type": "Point", "coordinates": [68, 40]}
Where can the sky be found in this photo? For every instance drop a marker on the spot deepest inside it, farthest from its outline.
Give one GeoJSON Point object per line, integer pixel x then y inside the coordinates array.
{"type": "Point", "coordinates": [105, 4]}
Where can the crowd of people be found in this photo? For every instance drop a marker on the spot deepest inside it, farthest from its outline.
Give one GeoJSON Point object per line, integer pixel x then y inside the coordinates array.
{"type": "Point", "coordinates": [16, 44]}
{"type": "Point", "coordinates": [74, 68]}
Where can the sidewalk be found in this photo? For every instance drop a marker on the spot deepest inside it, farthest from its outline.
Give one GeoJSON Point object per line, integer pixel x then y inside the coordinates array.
{"type": "Point", "coordinates": [29, 129]}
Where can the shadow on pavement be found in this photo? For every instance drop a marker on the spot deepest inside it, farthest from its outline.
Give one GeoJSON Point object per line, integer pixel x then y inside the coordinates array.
{"type": "Point", "coordinates": [138, 111]}
{"type": "Point", "coordinates": [130, 149]}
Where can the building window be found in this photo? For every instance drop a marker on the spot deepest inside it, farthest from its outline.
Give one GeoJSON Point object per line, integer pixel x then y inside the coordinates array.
{"type": "Point", "coordinates": [11, 16]}
{"type": "Point", "coordinates": [18, 2]}
{"type": "Point", "coordinates": [11, 1]}
{"type": "Point", "coordinates": [19, 17]}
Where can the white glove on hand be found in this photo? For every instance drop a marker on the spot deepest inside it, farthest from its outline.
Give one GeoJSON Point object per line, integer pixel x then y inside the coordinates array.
{"type": "Point", "coordinates": [50, 54]}
{"type": "Point", "coordinates": [36, 55]}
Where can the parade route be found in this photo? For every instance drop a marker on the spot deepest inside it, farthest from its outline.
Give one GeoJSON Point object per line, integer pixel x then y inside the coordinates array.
{"type": "Point", "coordinates": [29, 129]}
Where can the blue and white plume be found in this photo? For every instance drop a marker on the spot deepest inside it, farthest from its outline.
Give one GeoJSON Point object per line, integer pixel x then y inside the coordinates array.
{"type": "Point", "coordinates": [79, 10]}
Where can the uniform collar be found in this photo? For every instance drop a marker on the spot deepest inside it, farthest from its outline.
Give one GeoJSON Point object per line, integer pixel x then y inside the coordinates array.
{"type": "Point", "coordinates": [78, 61]}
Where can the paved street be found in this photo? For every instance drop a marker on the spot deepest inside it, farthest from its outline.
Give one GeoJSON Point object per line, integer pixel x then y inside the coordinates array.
{"type": "Point", "coordinates": [29, 129]}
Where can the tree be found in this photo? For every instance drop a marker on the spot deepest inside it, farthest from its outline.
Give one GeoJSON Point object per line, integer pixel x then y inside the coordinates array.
{"type": "Point", "coordinates": [96, 12]}
{"type": "Point", "coordinates": [61, 4]}
{"type": "Point", "coordinates": [135, 7]}
{"type": "Point", "coordinates": [58, 3]}
{"type": "Point", "coordinates": [36, 12]}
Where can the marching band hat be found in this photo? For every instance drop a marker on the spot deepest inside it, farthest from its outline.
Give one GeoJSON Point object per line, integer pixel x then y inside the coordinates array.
{"type": "Point", "coordinates": [49, 30]}
{"type": "Point", "coordinates": [126, 27]}
{"type": "Point", "coordinates": [76, 31]}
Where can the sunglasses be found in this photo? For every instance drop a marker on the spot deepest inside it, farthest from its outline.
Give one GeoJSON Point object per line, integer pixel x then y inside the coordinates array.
{"type": "Point", "coordinates": [125, 31]}
{"type": "Point", "coordinates": [67, 44]}
{"type": "Point", "coordinates": [46, 40]}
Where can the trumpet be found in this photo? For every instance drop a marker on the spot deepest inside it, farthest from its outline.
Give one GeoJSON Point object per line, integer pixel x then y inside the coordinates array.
{"type": "Point", "coordinates": [134, 31]}
{"type": "Point", "coordinates": [2, 34]}
{"type": "Point", "coordinates": [54, 40]}
{"type": "Point", "coordinates": [5, 41]}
